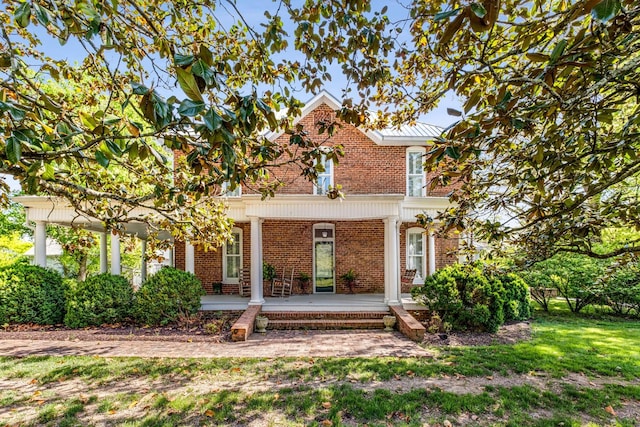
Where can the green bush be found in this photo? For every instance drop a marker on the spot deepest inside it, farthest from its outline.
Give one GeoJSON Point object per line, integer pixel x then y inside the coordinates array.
{"type": "Point", "coordinates": [517, 305]}
{"type": "Point", "coordinates": [100, 299]}
{"type": "Point", "coordinates": [167, 296]}
{"type": "Point", "coordinates": [573, 276]}
{"type": "Point", "coordinates": [31, 294]}
{"type": "Point", "coordinates": [621, 291]}
{"type": "Point", "coordinates": [465, 296]}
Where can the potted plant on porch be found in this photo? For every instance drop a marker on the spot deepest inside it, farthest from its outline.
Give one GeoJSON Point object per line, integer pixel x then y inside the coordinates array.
{"type": "Point", "coordinates": [350, 278]}
{"type": "Point", "coordinates": [304, 279]}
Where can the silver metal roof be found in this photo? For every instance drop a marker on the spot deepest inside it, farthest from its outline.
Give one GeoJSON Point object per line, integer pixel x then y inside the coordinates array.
{"type": "Point", "coordinates": [417, 130]}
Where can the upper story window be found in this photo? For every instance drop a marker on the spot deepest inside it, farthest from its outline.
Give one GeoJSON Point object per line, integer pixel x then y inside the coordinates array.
{"type": "Point", "coordinates": [416, 181]}
{"type": "Point", "coordinates": [232, 257]}
{"type": "Point", "coordinates": [226, 191]}
{"type": "Point", "coordinates": [325, 178]}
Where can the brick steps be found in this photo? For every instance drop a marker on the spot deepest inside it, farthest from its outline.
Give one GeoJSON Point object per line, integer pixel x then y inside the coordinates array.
{"type": "Point", "coordinates": [322, 324]}
{"type": "Point", "coordinates": [324, 315]}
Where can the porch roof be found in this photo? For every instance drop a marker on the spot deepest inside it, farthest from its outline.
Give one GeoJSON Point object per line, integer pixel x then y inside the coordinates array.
{"type": "Point", "coordinates": [351, 208]}
{"type": "Point", "coordinates": [59, 211]}
{"type": "Point", "coordinates": [289, 207]}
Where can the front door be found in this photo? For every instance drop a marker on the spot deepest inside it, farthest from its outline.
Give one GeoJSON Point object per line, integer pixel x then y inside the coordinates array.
{"type": "Point", "coordinates": [324, 258]}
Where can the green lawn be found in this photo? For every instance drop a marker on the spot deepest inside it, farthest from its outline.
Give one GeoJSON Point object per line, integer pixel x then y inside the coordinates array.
{"type": "Point", "coordinates": [568, 374]}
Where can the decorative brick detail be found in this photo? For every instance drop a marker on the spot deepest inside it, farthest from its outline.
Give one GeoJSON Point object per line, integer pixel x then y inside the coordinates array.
{"type": "Point", "coordinates": [243, 328]}
{"type": "Point", "coordinates": [407, 324]}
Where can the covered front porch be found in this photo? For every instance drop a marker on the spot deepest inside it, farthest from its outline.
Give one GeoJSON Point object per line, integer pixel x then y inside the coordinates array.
{"type": "Point", "coordinates": [309, 303]}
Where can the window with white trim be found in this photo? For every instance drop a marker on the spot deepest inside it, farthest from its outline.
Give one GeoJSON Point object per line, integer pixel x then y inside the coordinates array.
{"type": "Point", "coordinates": [416, 186]}
{"type": "Point", "coordinates": [325, 178]}
{"type": "Point", "coordinates": [227, 192]}
{"type": "Point", "coordinates": [416, 252]}
{"type": "Point", "coordinates": [232, 257]}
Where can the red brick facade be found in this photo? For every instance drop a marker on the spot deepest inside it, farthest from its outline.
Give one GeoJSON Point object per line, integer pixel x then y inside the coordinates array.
{"type": "Point", "coordinates": [366, 168]}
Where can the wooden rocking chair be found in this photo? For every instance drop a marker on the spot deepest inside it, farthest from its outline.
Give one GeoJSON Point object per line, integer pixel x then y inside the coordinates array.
{"type": "Point", "coordinates": [281, 286]}
{"type": "Point", "coordinates": [244, 282]}
{"type": "Point", "coordinates": [406, 280]}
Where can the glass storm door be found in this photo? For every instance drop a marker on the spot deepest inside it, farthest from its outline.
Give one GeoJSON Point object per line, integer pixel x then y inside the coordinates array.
{"type": "Point", "coordinates": [324, 259]}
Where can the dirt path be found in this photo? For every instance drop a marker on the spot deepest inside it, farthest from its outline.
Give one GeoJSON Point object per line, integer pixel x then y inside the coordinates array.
{"type": "Point", "coordinates": [273, 344]}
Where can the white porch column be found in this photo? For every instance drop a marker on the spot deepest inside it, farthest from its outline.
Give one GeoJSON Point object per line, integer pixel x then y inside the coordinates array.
{"type": "Point", "coordinates": [398, 265]}
{"type": "Point", "coordinates": [115, 254]}
{"type": "Point", "coordinates": [143, 264]}
{"type": "Point", "coordinates": [257, 297]}
{"type": "Point", "coordinates": [387, 260]}
{"type": "Point", "coordinates": [190, 258]}
{"type": "Point", "coordinates": [394, 273]}
{"type": "Point", "coordinates": [431, 251]}
{"type": "Point", "coordinates": [104, 262]}
{"type": "Point", "coordinates": [40, 244]}
{"type": "Point", "coordinates": [171, 256]}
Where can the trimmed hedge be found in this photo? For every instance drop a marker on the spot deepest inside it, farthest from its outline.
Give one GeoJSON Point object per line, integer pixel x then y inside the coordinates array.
{"type": "Point", "coordinates": [471, 298]}
{"type": "Point", "coordinates": [167, 296]}
{"type": "Point", "coordinates": [31, 294]}
{"type": "Point", "coordinates": [100, 299]}
{"type": "Point", "coordinates": [517, 302]}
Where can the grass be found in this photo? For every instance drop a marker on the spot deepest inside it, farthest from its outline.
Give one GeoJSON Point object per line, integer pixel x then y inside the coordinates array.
{"type": "Point", "coordinates": [71, 391]}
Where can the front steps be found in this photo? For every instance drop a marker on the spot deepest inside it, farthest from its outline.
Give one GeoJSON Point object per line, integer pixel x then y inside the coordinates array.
{"type": "Point", "coordinates": [325, 320]}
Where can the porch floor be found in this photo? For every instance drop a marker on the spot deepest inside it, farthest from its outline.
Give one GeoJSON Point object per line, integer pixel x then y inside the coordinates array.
{"type": "Point", "coordinates": [312, 302]}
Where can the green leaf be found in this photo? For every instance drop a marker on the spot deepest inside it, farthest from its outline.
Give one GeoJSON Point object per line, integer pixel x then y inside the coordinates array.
{"type": "Point", "coordinates": [102, 159]}
{"type": "Point", "coordinates": [206, 55]}
{"type": "Point", "coordinates": [606, 9]}
{"type": "Point", "coordinates": [212, 120]}
{"type": "Point", "coordinates": [22, 14]}
{"type": "Point", "coordinates": [42, 14]}
{"type": "Point", "coordinates": [478, 9]}
{"type": "Point", "coordinates": [139, 89]}
{"type": "Point", "coordinates": [190, 108]}
{"type": "Point", "coordinates": [13, 150]}
{"type": "Point", "coordinates": [114, 148]}
{"type": "Point", "coordinates": [15, 112]}
{"type": "Point", "coordinates": [188, 84]}
{"type": "Point", "coordinates": [558, 51]}
{"type": "Point", "coordinates": [49, 171]}
{"type": "Point", "coordinates": [444, 15]}
{"type": "Point", "coordinates": [183, 60]}
{"type": "Point", "coordinates": [452, 152]}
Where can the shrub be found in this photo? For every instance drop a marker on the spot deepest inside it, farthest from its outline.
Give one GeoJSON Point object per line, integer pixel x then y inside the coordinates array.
{"type": "Point", "coordinates": [168, 295]}
{"type": "Point", "coordinates": [100, 299]}
{"type": "Point", "coordinates": [541, 285]}
{"type": "Point", "coordinates": [517, 304]}
{"type": "Point", "coordinates": [621, 290]}
{"type": "Point", "coordinates": [31, 294]}
{"type": "Point", "coordinates": [573, 276]}
{"type": "Point", "coordinates": [465, 297]}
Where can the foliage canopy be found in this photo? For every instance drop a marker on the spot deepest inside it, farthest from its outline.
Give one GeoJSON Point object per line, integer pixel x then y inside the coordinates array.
{"type": "Point", "coordinates": [548, 135]}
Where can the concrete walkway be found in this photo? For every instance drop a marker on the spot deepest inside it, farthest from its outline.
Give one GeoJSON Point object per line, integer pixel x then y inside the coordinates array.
{"type": "Point", "coordinates": [272, 344]}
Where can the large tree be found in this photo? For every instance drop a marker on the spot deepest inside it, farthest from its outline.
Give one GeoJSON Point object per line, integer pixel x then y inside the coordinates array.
{"type": "Point", "coordinates": [547, 138]}
{"type": "Point", "coordinates": [152, 71]}
{"type": "Point", "coordinates": [545, 150]}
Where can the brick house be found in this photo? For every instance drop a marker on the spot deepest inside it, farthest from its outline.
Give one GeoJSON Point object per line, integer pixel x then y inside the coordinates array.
{"type": "Point", "coordinates": [372, 230]}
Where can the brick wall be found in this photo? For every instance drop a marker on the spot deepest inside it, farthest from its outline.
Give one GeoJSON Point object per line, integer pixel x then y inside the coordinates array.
{"type": "Point", "coordinates": [366, 168]}
{"type": "Point", "coordinates": [358, 245]}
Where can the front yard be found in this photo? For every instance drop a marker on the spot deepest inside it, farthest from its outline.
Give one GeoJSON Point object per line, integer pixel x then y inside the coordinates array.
{"type": "Point", "coordinates": [574, 371]}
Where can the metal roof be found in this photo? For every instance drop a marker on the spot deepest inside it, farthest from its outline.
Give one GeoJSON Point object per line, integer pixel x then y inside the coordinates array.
{"type": "Point", "coordinates": [423, 130]}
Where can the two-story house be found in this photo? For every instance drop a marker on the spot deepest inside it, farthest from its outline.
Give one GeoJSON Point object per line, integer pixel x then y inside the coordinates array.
{"type": "Point", "coordinates": [372, 231]}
